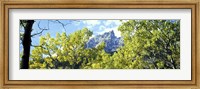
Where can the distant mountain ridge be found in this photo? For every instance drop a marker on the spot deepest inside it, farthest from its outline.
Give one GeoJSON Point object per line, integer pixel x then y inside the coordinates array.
{"type": "Point", "coordinates": [111, 41]}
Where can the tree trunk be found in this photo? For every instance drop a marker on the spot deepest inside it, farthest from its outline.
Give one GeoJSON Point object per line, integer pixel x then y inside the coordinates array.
{"type": "Point", "coordinates": [26, 42]}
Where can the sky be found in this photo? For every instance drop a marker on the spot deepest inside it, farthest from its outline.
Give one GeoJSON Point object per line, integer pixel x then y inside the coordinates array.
{"type": "Point", "coordinates": [96, 26]}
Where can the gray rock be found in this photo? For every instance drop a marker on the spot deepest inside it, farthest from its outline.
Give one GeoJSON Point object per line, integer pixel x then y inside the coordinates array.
{"type": "Point", "coordinates": [111, 41]}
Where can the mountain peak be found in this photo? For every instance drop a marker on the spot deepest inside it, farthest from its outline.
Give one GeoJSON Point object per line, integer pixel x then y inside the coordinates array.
{"type": "Point", "coordinates": [109, 34]}
{"type": "Point", "coordinates": [112, 33]}
{"type": "Point", "coordinates": [111, 41]}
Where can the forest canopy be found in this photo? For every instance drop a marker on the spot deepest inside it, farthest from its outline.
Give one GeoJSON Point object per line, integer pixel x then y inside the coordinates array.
{"type": "Point", "coordinates": [144, 44]}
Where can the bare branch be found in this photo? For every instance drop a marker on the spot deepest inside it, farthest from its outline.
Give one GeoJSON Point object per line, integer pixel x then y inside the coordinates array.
{"type": "Point", "coordinates": [41, 30]}
{"type": "Point", "coordinates": [38, 46]}
{"type": "Point", "coordinates": [63, 24]}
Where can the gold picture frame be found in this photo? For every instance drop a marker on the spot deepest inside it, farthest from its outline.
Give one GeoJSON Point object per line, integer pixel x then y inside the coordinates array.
{"type": "Point", "coordinates": [99, 84]}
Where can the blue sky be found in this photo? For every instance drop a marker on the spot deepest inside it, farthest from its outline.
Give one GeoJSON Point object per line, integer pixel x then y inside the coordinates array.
{"type": "Point", "coordinates": [96, 26]}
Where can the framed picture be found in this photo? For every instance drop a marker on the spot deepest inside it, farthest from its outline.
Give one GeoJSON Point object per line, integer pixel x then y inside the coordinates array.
{"type": "Point", "coordinates": [100, 44]}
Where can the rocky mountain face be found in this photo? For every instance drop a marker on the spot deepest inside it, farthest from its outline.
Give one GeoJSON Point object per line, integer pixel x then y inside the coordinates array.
{"type": "Point", "coordinates": [111, 41]}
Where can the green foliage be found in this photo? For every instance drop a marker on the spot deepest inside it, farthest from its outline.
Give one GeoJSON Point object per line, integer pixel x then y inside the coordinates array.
{"type": "Point", "coordinates": [148, 44]}
{"type": "Point", "coordinates": [63, 51]}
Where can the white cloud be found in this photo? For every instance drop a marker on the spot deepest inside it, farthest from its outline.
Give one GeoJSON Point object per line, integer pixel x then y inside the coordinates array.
{"type": "Point", "coordinates": [106, 26]}
{"type": "Point", "coordinates": [104, 29]}
{"type": "Point", "coordinates": [117, 33]}
{"type": "Point", "coordinates": [90, 27]}
{"type": "Point", "coordinates": [101, 28]}
{"type": "Point", "coordinates": [77, 23]}
{"type": "Point", "coordinates": [109, 22]}
{"type": "Point", "coordinates": [91, 22]}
